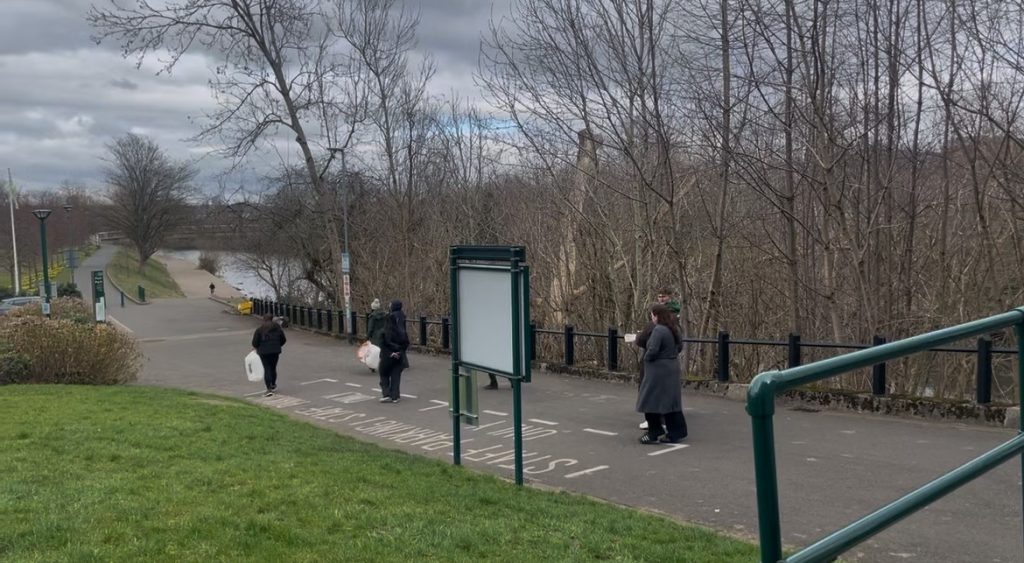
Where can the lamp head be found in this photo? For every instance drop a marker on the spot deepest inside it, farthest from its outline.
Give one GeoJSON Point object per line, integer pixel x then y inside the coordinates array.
{"type": "Point", "coordinates": [42, 214]}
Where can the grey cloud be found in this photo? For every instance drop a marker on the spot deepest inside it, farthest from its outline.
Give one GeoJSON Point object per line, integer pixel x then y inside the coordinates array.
{"type": "Point", "coordinates": [64, 98]}
{"type": "Point", "coordinates": [124, 84]}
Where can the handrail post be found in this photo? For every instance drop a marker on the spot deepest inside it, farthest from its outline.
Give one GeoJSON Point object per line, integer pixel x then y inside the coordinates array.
{"type": "Point", "coordinates": [794, 350]}
{"type": "Point", "coordinates": [613, 349]}
{"type": "Point", "coordinates": [423, 330]}
{"type": "Point", "coordinates": [983, 383]}
{"type": "Point", "coordinates": [878, 371]}
{"type": "Point", "coordinates": [761, 407]}
{"type": "Point", "coordinates": [1019, 330]}
{"type": "Point", "coordinates": [570, 345]}
{"type": "Point", "coordinates": [330, 320]}
{"type": "Point", "coordinates": [446, 337]}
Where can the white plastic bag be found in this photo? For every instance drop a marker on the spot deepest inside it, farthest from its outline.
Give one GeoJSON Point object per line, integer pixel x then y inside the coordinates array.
{"type": "Point", "coordinates": [253, 367]}
{"type": "Point", "coordinates": [369, 355]}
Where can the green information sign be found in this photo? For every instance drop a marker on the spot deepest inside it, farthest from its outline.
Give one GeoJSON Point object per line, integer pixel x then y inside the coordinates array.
{"type": "Point", "coordinates": [99, 296]}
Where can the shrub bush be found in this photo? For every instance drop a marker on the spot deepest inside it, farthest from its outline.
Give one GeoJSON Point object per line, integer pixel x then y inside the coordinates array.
{"type": "Point", "coordinates": [209, 262]}
{"type": "Point", "coordinates": [61, 308]}
{"type": "Point", "coordinates": [69, 289]}
{"type": "Point", "coordinates": [14, 367]}
{"type": "Point", "coordinates": [64, 351]}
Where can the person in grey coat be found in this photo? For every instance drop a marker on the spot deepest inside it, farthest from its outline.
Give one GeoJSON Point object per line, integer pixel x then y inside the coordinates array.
{"type": "Point", "coordinates": [661, 394]}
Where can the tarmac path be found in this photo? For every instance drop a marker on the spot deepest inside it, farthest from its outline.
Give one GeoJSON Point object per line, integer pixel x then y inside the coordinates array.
{"type": "Point", "coordinates": [581, 435]}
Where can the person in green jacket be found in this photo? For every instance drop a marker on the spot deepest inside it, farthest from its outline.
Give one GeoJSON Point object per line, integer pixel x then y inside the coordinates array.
{"type": "Point", "coordinates": [375, 324]}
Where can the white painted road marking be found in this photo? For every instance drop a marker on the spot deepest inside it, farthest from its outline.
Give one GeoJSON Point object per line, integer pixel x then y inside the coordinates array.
{"type": "Point", "coordinates": [586, 471]}
{"type": "Point", "coordinates": [671, 448]}
{"type": "Point", "coordinates": [434, 407]}
{"type": "Point", "coordinates": [410, 396]}
{"type": "Point", "coordinates": [318, 381]}
{"type": "Point", "coordinates": [539, 421]}
{"type": "Point", "coordinates": [601, 432]}
{"type": "Point", "coordinates": [353, 385]}
{"type": "Point", "coordinates": [496, 413]}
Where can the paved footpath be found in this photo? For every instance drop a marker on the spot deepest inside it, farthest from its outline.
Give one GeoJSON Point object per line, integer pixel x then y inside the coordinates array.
{"type": "Point", "coordinates": [582, 435]}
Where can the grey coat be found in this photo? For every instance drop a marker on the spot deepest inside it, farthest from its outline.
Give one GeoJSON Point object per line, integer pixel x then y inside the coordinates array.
{"type": "Point", "coordinates": [661, 389]}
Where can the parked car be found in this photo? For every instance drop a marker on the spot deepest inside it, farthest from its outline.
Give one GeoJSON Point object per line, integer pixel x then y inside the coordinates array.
{"type": "Point", "coordinates": [15, 302]}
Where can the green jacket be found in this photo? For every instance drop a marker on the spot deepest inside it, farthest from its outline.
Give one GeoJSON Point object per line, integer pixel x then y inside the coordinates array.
{"type": "Point", "coordinates": [375, 327]}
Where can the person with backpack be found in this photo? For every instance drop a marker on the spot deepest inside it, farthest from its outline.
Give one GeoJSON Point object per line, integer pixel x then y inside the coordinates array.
{"type": "Point", "coordinates": [267, 341]}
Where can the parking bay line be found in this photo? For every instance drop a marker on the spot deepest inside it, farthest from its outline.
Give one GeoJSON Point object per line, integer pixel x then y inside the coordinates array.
{"type": "Point", "coordinates": [586, 471]}
{"type": "Point", "coordinates": [539, 421]}
{"type": "Point", "coordinates": [671, 448]}
{"type": "Point", "coordinates": [601, 432]}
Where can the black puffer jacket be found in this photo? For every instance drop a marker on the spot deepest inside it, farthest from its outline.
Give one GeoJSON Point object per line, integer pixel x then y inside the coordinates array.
{"type": "Point", "coordinates": [269, 341]}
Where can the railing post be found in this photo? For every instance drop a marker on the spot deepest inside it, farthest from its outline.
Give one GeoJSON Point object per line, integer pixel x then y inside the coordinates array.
{"type": "Point", "coordinates": [984, 378]}
{"type": "Point", "coordinates": [319, 318]}
{"type": "Point", "coordinates": [794, 350]}
{"type": "Point", "coordinates": [330, 320]}
{"type": "Point", "coordinates": [878, 371]}
{"type": "Point", "coordinates": [446, 337]}
{"type": "Point", "coordinates": [353, 327]}
{"type": "Point", "coordinates": [311, 316]}
{"type": "Point", "coordinates": [533, 341]}
{"type": "Point", "coordinates": [613, 349]}
{"type": "Point", "coordinates": [423, 330]}
{"type": "Point", "coordinates": [570, 345]}
{"type": "Point", "coordinates": [722, 373]}
{"type": "Point", "coordinates": [766, 479]}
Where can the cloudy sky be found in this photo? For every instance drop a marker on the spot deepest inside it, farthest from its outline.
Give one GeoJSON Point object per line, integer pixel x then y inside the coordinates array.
{"type": "Point", "coordinates": [63, 98]}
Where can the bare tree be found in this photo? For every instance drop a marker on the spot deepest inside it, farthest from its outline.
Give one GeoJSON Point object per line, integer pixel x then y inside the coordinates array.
{"type": "Point", "coordinates": [276, 58]}
{"type": "Point", "coordinates": [147, 190]}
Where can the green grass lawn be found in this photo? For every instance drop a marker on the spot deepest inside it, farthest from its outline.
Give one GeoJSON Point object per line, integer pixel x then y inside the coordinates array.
{"type": "Point", "coordinates": [124, 269]}
{"type": "Point", "coordinates": [146, 474]}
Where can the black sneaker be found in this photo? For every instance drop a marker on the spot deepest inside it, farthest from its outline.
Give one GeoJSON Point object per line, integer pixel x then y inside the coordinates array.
{"type": "Point", "coordinates": [386, 400]}
{"type": "Point", "coordinates": [490, 386]}
{"type": "Point", "coordinates": [396, 400]}
{"type": "Point", "coordinates": [273, 387]}
{"type": "Point", "coordinates": [268, 394]}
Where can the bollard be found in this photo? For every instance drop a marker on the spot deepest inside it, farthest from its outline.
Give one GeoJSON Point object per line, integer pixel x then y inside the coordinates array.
{"type": "Point", "coordinates": [533, 342]}
{"type": "Point", "coordinates": [722, 373]}
{"type": "Point", "coordinates": [794, 350]}
{"type": "Point", "coordinates": [570, 345]}
{"type": "Point", "coordinates": [984, 373]}
{"type": "Point", "coordinates": [446, 336]}
{"type": "Point", "coordinates": [878, 371]}
{"type": "Point", "coordinates": [423, 330]}
{"type": "Point", "coordinates": [613, 349]}
{"type": "Point", "coordinates": [142, 293]}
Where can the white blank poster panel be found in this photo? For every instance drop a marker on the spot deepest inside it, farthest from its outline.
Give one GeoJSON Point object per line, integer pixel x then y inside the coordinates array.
{"type": "Point", "coordinates": [485, 318]}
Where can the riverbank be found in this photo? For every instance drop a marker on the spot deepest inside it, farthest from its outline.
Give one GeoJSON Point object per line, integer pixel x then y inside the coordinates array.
{"type": "Point", "coordinates": [195, 283]}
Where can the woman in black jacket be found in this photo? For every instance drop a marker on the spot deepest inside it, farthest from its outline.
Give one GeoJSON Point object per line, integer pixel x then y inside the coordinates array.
{"type": "Point", "coordinates": [393, 357]}
{"type": "Point", "coordinates": [267, 342]}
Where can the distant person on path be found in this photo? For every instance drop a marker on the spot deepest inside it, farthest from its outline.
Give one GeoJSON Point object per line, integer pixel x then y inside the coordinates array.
{"type": "Point", "coordinates": [393, 358]}
{"type": "Point", "coordinates": [661, 393]}
{"type": "Point", "coordinates": [212, 288]}
{"type": "Point", "coordinates": [267, 342]}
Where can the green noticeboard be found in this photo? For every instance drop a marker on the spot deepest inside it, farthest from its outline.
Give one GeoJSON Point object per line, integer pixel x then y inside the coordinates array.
{"type": "Point", "coordinates": [99, 296]}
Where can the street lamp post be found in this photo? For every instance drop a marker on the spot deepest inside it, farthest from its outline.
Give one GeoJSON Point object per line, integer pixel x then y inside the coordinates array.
{"type": "Point", "coordinates": [72, 253]}
{"type": "Point", "coordinates": [346, 257]}
{"type": "Point", "coordinates": [42, 214]}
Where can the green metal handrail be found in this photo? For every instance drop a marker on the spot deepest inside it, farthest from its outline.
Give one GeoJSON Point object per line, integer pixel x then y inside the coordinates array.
{"type": "Point", "coordinates": [761, 407]}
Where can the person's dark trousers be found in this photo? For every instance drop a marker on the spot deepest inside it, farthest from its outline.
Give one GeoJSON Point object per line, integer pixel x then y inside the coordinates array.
{"type": "Point", "coordinates": [391, 378]}
{"type": "Point", "coordinates": [676, 425]}
{"type": "Point", "coordinates": [654, 427]}
{"type": "Point", "coordinates": [269, 362]}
